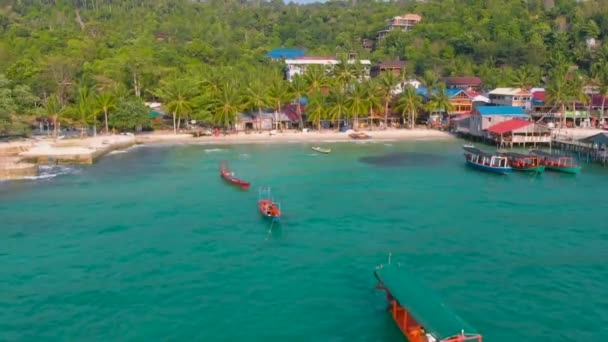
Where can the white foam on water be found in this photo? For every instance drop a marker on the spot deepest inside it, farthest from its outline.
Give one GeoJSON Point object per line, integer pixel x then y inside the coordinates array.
{"type": "Point", "coordinates": [244, 156]}
{"type": "Point", "coordinates": [212, 150]}
{"type": "Point", "coordinates": [118, 152]}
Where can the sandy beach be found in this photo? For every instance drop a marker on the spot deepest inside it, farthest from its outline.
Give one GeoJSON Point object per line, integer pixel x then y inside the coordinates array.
{"type": "Point", "coordinates": [292, 137]}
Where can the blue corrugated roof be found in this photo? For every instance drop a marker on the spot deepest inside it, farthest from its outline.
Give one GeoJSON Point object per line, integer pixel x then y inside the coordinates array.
{"type": "Point", "coordinates": [285, 53]}
{"type": "Point", "coordinates": [536, 102]}
{"type": "Point", "coordinates": [501, 110]}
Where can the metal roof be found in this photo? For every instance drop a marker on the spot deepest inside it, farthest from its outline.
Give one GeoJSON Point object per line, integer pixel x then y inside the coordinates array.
{"type": "Point", "coordinates": [476, 151]}
{"type": "Point", "coordinates": [599, 139]}
{"type": "Point", "coordinates": [509, 91]}
{"type": "Point", "coordinates": [285, 53]}
{"type": "Point", "coordinates": [423, 304]}
{"type": "Point", "coordinates": [501, 110]}
{"type": "Point", "coordinates": [509, 126]}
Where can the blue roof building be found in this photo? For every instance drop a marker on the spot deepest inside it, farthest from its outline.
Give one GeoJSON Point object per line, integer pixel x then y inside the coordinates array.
{"type": "Point", "coordinates": [285, 53]}
{"type": "Point", "coordinates": [501, 110]}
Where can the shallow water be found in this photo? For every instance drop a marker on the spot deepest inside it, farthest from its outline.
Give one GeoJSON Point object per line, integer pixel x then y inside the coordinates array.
{"type": "Point", "coordinates": [151, 245]}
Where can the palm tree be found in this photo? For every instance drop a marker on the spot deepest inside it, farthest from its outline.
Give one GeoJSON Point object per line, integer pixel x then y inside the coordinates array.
{"type": "Point", "coordinates": [316, 78]}
{"type": "Point", "coordinates": [315, 110]}
{"type": "Point", "coordinates": [372, 101]}
{"type": "Point", "coordinates": [440, 100]}
{"type": "Point", "coordinates": [106, 102]}
{"type": "Point", "coordinates": [557, 94]}
{"type": "Point", "coordinates": [178, 93]}
{"type": "Point", "coordinates": [409, 103]}
{"type": "Point", "coordinates": [256, 96]}
{"type": "Point", "coordinates": [386, 85]}
{"type": "Point", "coordinates": [278, 93]}
{"type": "Point", "coordinates": [83, 108]}
{"type": "Point", "coordinates": [599, 71]}
{"type": "Point", "coordinates": [299, 89]}
{"type": "Point", "coordinates": [227, 103]}
{"type": "Point", "coordinates": [338, 106]}
{"type": "Point", "coordinates": [575, 91]}
{"type": "Point", "coordinates": [429, 80]}
{"type": "Point", "coordinates": [344, 72]}
{"type": "Point", "coordinates": [54, 109]}
{"type": "Point", "coordinates": [357, 102]}
{"type": "Point", "coordinates": [525, 77]}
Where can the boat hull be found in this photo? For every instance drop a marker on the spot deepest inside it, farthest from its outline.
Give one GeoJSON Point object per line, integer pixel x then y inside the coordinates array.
{"type": "Point", "coordinates": [537, 169]}
{"type": "Point", "coordinates": [234, 181]}
{"type": "Point", "coordinates": [490, 169]}
{"type": "Point", "coordinates": [570, 170]}
{"type": "Point", "coordinates": [269, 210]}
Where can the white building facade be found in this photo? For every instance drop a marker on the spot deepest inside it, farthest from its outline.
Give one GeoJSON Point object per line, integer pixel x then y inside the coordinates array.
{"type": "Point", "coordinates": [299, 65]}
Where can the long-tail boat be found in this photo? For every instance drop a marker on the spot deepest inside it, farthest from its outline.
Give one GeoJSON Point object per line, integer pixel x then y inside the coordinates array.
{"type": "Point", "coordinates": [483, 161]}
{"type": "Point", "coordinates": [268, 207]}
{"type": "Point", "coordinates": [418, 312]}
{"type": "Point", "coordinates": [557, 163]}
{"type": "Point", "coordinates": [359, 136]}
{"type": "Point", "coordinates": [524, 162]}
{"type": "Point", "coordinates": [321, 149]}
{"type": "Point", "coordinates": [229, 177]}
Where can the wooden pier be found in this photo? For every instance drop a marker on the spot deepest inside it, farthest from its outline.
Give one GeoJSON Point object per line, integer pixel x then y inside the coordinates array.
{"type": "Point", "coordinates": [585, 152]}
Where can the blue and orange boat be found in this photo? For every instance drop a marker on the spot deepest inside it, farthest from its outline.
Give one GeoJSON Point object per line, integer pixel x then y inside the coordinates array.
{"type": "Point", "coordinates": [268, 207]}
{"type": "Point", "coordinates": [418, 312]}
{"type": "Point", "coordinates": [483, 161]}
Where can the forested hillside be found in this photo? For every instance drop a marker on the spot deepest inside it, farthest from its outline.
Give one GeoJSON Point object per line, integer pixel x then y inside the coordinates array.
{"type": "Point", "coordinates": [58, 57]}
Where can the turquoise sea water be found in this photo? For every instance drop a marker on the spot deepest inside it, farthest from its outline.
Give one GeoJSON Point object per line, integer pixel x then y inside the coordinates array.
{"type": "Point", "coordinates": [152, 245]}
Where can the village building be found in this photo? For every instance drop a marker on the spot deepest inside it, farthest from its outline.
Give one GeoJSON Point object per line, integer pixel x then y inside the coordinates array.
{"type": "Point", "coordinates": [396, 67]}
{"type": "Point", "coordinates": [404, 23]}
{"type": "Point", "coordinates": [280, 54]}
{"type": "Point", "coordinates": [298, 65]}
{"type": "Point", "coordinates": [484, 117]}
{"type": "Point", "coordinates": [519, 132]}
{"type": "Point", "coordinates": [513, 97]}
{"type": "Point", "coordinates": [465, 83]}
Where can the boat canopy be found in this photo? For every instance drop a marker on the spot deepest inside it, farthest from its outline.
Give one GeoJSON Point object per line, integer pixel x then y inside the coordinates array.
{"type": "Point", "coordinates": [517, 155]}
{"type": "Point", "coordinates": [422, 304]}
{"type": "Point", "coordinates": [476, 151]}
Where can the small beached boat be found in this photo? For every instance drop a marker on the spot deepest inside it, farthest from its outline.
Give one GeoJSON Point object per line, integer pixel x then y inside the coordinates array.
{"type": "Point", "coordinates": [557, 163]}
{"type": "Point", "coordinates": [322, 150]}
{"type": "Point", "coordinates": [229, 177]}
{"type": "Point", "coordinates": [480, 160]}
{"type": "Point", "coordinates": [359, 136]}
{"type": "Point", "coordinates": [418, 312]}
{"type": "Point", "coordinates": [268, 207]}
{"type": "Point", "coordinates": [523, 162]}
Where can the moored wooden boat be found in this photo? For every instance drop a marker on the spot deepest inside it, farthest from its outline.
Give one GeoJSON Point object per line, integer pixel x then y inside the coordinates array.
{"type": "Point", "coordinates": [268, 207]}
{"type": "Point", "coordinates": [525, 163]}
{"type": "Point", "coordinates": [321, 149]}
{"type": "Point", "coordinates": [557, 163]}
{"type": "Point", "coordinates": [480, 160]}
{"type": "Point", "coordinates": [359, 136]}
{"type": "Point", "coordinates": [229, 177]}
{"type": "Point", "coordinates": [418, 312]}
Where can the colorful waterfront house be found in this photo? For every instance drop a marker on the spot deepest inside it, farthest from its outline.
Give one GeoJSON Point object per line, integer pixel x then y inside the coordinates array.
{"type": "Point", "coordinates": [404, 23]}
{"type": "Point", "coordinates": [465, 83]}
{"type": "Point", "coordinates": [298, 65]}
{"type": "Point", "coordinates": [279, 54]}
{"type": "Point", "coordinates": [519, 132]}
{"type": "Point", "coordinates": [461, 101]}
{"type": "Point", "coordinates": [396, 67]}
{"type": "Point", "coordinates": [418, 312]}
{"type": "Point", "coordinates": [485, 117]}
{"type": "Point", "coordinates": [515, 97]}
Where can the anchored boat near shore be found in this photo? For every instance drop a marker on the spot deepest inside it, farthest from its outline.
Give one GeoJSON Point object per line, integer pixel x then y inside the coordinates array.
{"type": "Point", "coordinates": [268, 207]}
{"type": "Point", "coordinates": [523, 162]}
{"type": "Point", "coordinates": [557, 163]}
{"type": "Point", "coordinates": [229, 177]}
{"type": "Point", "coordinates": [480, 160]}
{"type": "Point", "coordinates": [321, 149]}
{"type": "Point", "coordinates": [418, 312]}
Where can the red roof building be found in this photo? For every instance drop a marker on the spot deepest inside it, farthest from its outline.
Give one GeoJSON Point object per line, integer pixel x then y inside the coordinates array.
{"type": "Point", "coordinates": [509, 126]}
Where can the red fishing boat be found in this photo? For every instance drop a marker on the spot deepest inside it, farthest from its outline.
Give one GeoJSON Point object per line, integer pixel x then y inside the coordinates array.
{"type": "Point", "coordinates": [268, 207]}
{"type": "Point", "coordinates": [229, 177]}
